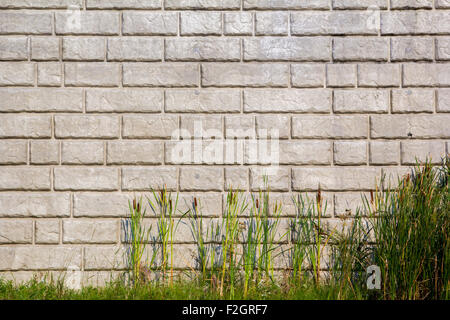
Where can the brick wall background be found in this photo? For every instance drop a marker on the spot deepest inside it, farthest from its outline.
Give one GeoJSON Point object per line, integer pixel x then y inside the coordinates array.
{"type": "Point", "coordinates": [89, 99]}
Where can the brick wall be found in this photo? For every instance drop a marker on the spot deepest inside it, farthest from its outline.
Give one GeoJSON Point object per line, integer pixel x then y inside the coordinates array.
{"type": "Point", "coordinates": [91, 92]}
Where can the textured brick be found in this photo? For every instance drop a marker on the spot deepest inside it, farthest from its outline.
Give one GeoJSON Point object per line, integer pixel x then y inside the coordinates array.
{"type": "Point", "coordinates": [286, 4]}
{"type": "Point", "coordinates": [47, 231]}
{"type": "Point", "coordinates": [245, 75]}
{"type": "Point", "coordinates": [405, 126]}
{"type": "Point", "coordinates": [295, 101]}
{"type": "Point", "coordinates": [135, 49]}
{"type": "Point", "coordinates": [238, 23]}
{"type": "Point", "coordinates": [443, 48]}
{"type": "Point", "coordinates": [31, 22]}
{"type": "Point", "coordinates": [124, 100]}
{"type": "Point", "coordinates": [413, 100]}
{"type": "Point", "coordinates": [13, 152]}
{"type": "Point", "coordinates": [305, 152]}
{"type": "Point", "coordinates": [13, 48]}
{"type": "Point", "coordinates": [210, 204]}
{"type": "Point", "coordinates": [87, 22]}
{"type": "Point", "coordinates": [360, 49]}
{"type": "Point", "coordinates": [96, 204]}
{"type": "Point", "coordinates": [40, 4]}
{"type": "Point", "coordinates": [358, 101]}
{"type": "Point", "coordinates": [134, 152]}
{"type": "Point", "coordinates": [200, 23]}
{"type": "Point", "coordinates": [86, 178]}
{"type": "Point", "coordinates": [17, 74]}
{"type": "Point", "coordinates": [265, 123]}
{"type": "Point", "coordinates": [203, 49]}
{"type": "Point", "coordinates": [202, 4]}
{"type": "Point", "coordinates": [359, 4]}
{"type": "Point", "coordinates": [15, 231]}
{"type": "Point", "coordinates": [350, 152]}
{"type": "Point", "coordinates": [198, 125]}
{"type": "Point", "coordinates": [104, 257]}
{"type": "Point", "coordinates": [411, 48]}
{"type": "Point", "coordinates": [44, 152]}
{"type": "Point", "coordinates": [443, 100]}
{"type": "Point", "coordinates": [426, 74]}
{"type": "Point", "coordinates": [415, 22]}
{"type": "Point", "coordinates": [19, 204]}
{"type": "Point", "coordinates": [45, 48]}
{"type": "Point", "coordinates": [89, 231]}
{"type": "Point", "coordinates": [411, 4]}
{"type": "Point", "coordinates": [334, 127]}
{"type": "Point", "coordinates": [161, 75]}
{"type": "Point", "coordinates": [40, 100]}
{"type": "Point", "coordinates": [348, 203]}
{"type": "Point", "coordinates": [150, 23]}
{"type": "Point", "coordinates": [379, 75]}
{"type": "Point", "coordinates": [25, 126]}
{"type": "Point", "coordinates": [24, 178]}
{"type": "Point", "coordinates": [278, 180]}
{"type": "Point", "coordinates": [307, 75]}
{"type": "Point", "coordinates": [287, 49]}
{"type": "Point", "coordinates": [82, 152]}
{"type": "Point", "coordinates": [149, 178]}
{"type": "Point", "coordinates": [201, 179]}
{"type": "Point", "coordinates": [123, 4]}
{"type": "Point", "coordinates": [149, 126]}
{"type": "Point", "coordinates": [238, 126]}
{"type": "Point", "coordinates": [49, 74]}
{"type": "Point", "coordinates": [412, 151]}
{"type": "Point", "coordinates": [211, 101]}
{"type": "Point", "coordinates": [97, 74]}
{"type": "Point", "coordinates": [92, 126]}
{"type": "Point", "coordinates": [341, 75]}
{"type": "Point", "coordinates": [272, 23]}
{"type": "Point", "coordinates": [84, 48]}
{"type": "Point", "coordinates": [384, 152]}
{"type": "Point", "coordinates": [442, 3]}
{"type": "Point", "coordinates": [236, 178]}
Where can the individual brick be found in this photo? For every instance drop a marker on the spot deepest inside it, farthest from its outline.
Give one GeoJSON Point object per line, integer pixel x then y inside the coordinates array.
{"type": "Point", "coordinates": [135, 152]}
{"type": "Point", "coordinates": [124, 100]}
{"type": "Point", "coordinates": [201, 4]}
{"type": "Point", "coordinates": [443, 48]}
{"type": "Point", "coordinates": [86, 178]}
{"type": "Point", "coordinates": [238, 23]}
{"type": "Point", "coordinates": [333, 22]}
{"type": "Point", "coordinates": [150, 23]}
{"type": "Point", "coordinates": [423, 74]}
{"type": "Point", "coordinates": [135, 49]}
{"type": "Point", "coordinates": [277, 179]}
{"type": "Point", "coordinates": [305, 152]}
{"type": "Point", "coordinates": [104, 258]}
{"type": "Point", "coordinates": [34, 204]}
{"type": "Point", "coordinates": [359, 4]}
{"type": "Point", "coordinates": [348, 204]}
{"type": "Point", "coordinates": [415, 22]}
{"type": "Point", "coordinates": [384, 152]}
{"type": "Point", "coordinates": [49, 74]}
{"type": "Point", "coordinates": [83, 126]}
{"type": "Point", "coordinates": [26, 22]}
{"type": "Point", "coordinates": [335, 178]}
{"type": "Point", "coordinates": [361, 100]}
{"type": "Point", "coordinates": [40, 4]}
{"type": "Point", "coordinates": [90, 231]}
{"type": "Point", "coordinates": [201, 179]}
{"type": "Point", "coordinates": [419, 151]}
{"type": "Point", "coordinates": [149, 126]}
{"type": "Point", "coordinates": [203, 49]}
{"type": "Point", "coordinates": [411, 49]}
{"type": "Point", "coordinates": [82, 152]}
{"type": "Point", "coordinates": [443, 100]}
{"type": "Point", "coordinates": [45, 48]}
{"type": "Point", "coordinates": [341, 75]}
{"type": "Point", "coordinates": [279, 122]}
{"type": "Point", "coordinates": [40, 100]}
{"type": "Point", "coordinates": [44, 152]}
{"type": "Point", "coordinates": [201, 126]}
{"type": "Point", "coordinates": [411, 4]}
{"type": "Point", "coordinates": [25, 126]}
{"type": "Point", "coordinates": [238, 126]}
{"type": "Point", "coordinates": [236, 178]}
{"type": "Point", "coordinates": [161, 75]}
{"type": "Point", "coordinates": [97, 74]}
{"type": "Point", "coordinates": [287, 100]}
{"type": "Point", "coordinates": [123, 4]}
{"type": "Point", "coordinates": [286, 4]}
{"type": "Point", "coordinates": [13, 152]}
{"type": "Point", "coordinates": [209, 204]}
{"type": "Point", "coordinates": [245, 75]}
{"type": "Point", "coordinates": [360, 49]}
{"type": "Point", "coordinates": [272, 23]}
{"type": "Point", "coordinates": [412, 100]}
{"type": "Point", "coordinates": [307, 75]}
{"type": "Point", "coordinates": [16, 231]}
{"type": "Point", "coordinates": [410, 126]}
{"type": "Point", "coordinates": [200, 23]}
{"type": "Point", "coordinates": [287, 49]}
{"type": "Point", "coordinates": [84, 48]}
{"type": "Point", "coordinates": [87, 23]}
{"type": "Point", "coordinates": [39, 257]}
{"type": "Point", "coordinates": [209, 100]}
{"type": "Point", "coordinates": [350, 152]}
{"type": "Point", "coordinates": [24, 178]}
{"type": "Point", "coordinates": [17, 74]}
{"type": "Point", "coordinates": [100, 204]}
{"type": "Point", "coordinates": [440, 4]}
{"type": "Point", "coordinates": [331, 127]}
{"type": "Point", "coordinates": [149, 178]}
{"type": "Point", "coordinates": [379, 75]}
{"type": "Point", "coordinates": [13, 48]}
{"type": "Point", "coordinates": [47, 231]}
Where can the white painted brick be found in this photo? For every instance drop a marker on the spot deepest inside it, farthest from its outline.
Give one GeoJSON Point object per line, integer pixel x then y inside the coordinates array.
{"type": "Point", "coordinates": [379, 75]}
{"type": "Point", "coordinates": [332, 127]}
{"type": "Point", "coordinates": [15, 231]}
{"type": "Point", "coordinates": [202, 4]}
{"type": "Point", "coordinates": [415, 22]}
{"type": "Point", "coordinates": [149, 126]}
{"type": "Point", "coordinates": [90, 231]}
{"type": "Point", "coordinates": [350, 152]}
{"type": "Point", "coordinates": [236, 178]}
{"type": "Point", "coordinates": [412, 100]}
{"type": "Point", "coordinates": [135, 49]}
{"type": "Point", "coordinates": [360, 49]}
{"type": "Point", "coordinates": [83, 126]}
{"type": "Point", "coordinates": [24, 178]}
{"type": "Point", "coordinates": [13, 152]}
{"type": "Point", "coordinates": [47, 231]}
{"type": "Point", "coordinates": [13, 48]}
{"type": "Point", "coordinates": [443, 100]}
{"type": "Point", "coordinates": [44, 152]}
{"type": "Point", "coordinates": [443, 48]}
{"type": "Point", "coordinates": [124, 100]}
{"type": "Point", "coordinates": [384, 152]}
{"type": "Point", "coordinates": [45, 48]}
{"type": "Point", "coordinates": [203, 49]}
{"type": "Point", "coordinates": [201, 179]}
{"type": "Point", "coordinates": [200, 23]}
{"type": "Point", "coordinates": [413, 151]}
{"type": "Point", "coordinates": [286, 4]}
{"type": "Point", "coordinates": [280, 122]}
{"type": "Point", "coordinates": [341, 75]}
{"type": "Point", "coordinates": [86, 178]}
{"type": "Point", "coordinates": [17, 74]}
{"type": "Point", "coordinates": [149, 23]}
{"type": "Point", "coordinates": [238, 23]}
{"type": "Point", "coordinates": [87, 22]}
{"type": "Point", "coordinates": [149, 178]}
{"type": "Point", "coordinates": [49, 74]}
{"type": "Point", "coordinates": [405, 126]}
{"type": "Point", "coordinates": [277, 181]}
{"type": "Point", "coordinates": [26, 22]}
{"type": "Point", "coordinates": [134, 152]}
{"type": "Point", "coordinates": [307, 75]}
{"type": "Point", "coordinates": [305, 152]}
{"type": "Point", "coordinates": [21, 204]}
{"type": "Point", "coordinates": [84, 48]}
{"type": "Point", "coordinates": [96, 204]}
{"type": "Point", "coordinates": [361, 100]}
{"type": "Point", "coordinates": [82, 152]}
{"type": "Point", "coordinates": [426, 74]}
{"type": "Point", "coordinates": [411, 48]}
{"type": "Point", "coordinates": [96, 74]}
{"type": "Point", "coordinates": [161, 75]}
{"type": "Point", "coordinates": [272, 23]}
{"type": "Point", "coordinates": [209, 100]}
{"type": "Point", "coordinates": [25, 126]}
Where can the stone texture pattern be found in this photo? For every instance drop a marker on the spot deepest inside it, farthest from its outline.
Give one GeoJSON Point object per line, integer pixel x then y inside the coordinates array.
{"type": "Point", "coordinates": [91, 99]}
